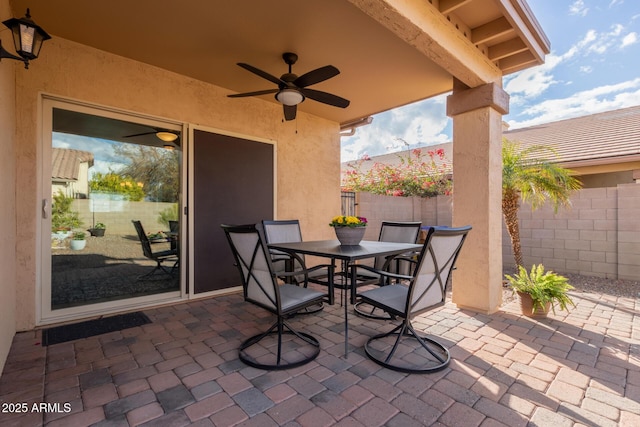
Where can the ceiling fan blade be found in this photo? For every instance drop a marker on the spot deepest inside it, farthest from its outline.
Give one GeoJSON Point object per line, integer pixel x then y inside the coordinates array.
{"type": "Point", "coordinates": [290, 112]}
{"type": "Point", "coordinates": [139, 134]}
{"type": "Point", "coordinates": [261, 73]}
{"type": "Point", "coordinates": [316, 76]}
{"type": "Point", "coordinates": [256, 93]}
{"type": "Point", "coordinates": [325, 98]}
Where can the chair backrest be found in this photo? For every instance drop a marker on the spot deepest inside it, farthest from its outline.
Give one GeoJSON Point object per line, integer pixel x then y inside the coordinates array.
{"type": "Point", "coordinates": [281, 231]}
{"type": "Point", "coordinates": [254, 264]}
{"type": "Point", "coordinates": [434, 266]}
{"type": "Point", "coordinates": [397, 232]}
{"type": "Point", "coordinates": [174, 226]}
{"type": "Point", "coordinates": [144, 239]}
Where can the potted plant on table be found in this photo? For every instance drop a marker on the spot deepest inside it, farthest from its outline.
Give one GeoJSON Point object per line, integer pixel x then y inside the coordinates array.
{"type": "Point", "coordinates": [349, 229]}
{"type": "Point", "coordinates": [78, 241]}
{"type": "Point", "coordinates": [539, 290]}
{"type": "Point", "coordinates": [98, 229]}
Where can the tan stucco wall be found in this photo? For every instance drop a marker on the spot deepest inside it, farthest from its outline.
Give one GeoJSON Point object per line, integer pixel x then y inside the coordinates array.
{"type": "Point", "coordinates": [308, 161]}
{"type": "Point", "coordinates": [7, 193]}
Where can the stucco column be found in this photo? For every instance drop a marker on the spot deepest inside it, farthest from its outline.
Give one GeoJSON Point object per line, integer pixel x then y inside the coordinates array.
{"type": "Point", "coordinates": [477, 192]}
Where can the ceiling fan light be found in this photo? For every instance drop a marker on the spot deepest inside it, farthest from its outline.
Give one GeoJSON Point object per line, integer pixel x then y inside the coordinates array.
{"type": "Point", "coordinates": [289, 97]}
{"type": "Point", "coordinates": [167, 136]}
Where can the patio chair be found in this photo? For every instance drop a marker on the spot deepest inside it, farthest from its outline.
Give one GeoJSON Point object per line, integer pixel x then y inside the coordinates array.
{"type": "Point", "coordinates": [284, 231]}
{"type": "Point", "coordinates": [174, 228]}
{"type": "Point", "coordinates": [425, 290]}
{"type": "Point", "coordinates": [170, 255]}
{"type": "Point", "coordinates": [390, 231]}
{"type": "Point", "coordinates": [261, 288]}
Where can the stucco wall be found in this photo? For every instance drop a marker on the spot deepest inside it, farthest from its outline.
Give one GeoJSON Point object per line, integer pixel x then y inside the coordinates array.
{"type": "Point", "coordinates": [308, 160]}
{"type": "Point", "coordinates": [7, 192]}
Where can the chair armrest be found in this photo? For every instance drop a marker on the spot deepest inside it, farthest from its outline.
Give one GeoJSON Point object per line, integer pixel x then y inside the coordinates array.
{"type": "Point", "coordinates": [383, 273]}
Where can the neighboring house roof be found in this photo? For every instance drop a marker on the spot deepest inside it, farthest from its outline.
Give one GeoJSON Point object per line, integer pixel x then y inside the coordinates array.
{"type": "Point", "coordinates": [602, 138]}
{"type": "Point", "coordinates": [596, 139]}
{"type": "Point", "coordinates": [395, 159]}
{"type": "Point", "coordinates": [65, 163]}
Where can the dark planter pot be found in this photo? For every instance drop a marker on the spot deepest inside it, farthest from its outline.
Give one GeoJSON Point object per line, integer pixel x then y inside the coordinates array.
{"type": "Point", "coordinates": [350, 235]}
{"type": "Point", "coordinates": [97, 232]}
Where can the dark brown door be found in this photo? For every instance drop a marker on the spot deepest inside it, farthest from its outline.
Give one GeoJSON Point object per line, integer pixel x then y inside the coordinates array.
{"type": "Point", "coordinates": [233, 184]}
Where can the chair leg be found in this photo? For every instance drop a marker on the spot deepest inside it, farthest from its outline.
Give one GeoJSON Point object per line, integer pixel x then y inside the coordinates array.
{"type": "Point", "coordinates": [279, 328]}
{"type": "Point", "coordinates": [439, 359]}
{"type": "Point", "coordinates": [361, 311]}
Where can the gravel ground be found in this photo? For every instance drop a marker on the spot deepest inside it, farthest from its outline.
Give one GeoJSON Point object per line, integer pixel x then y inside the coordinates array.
{"type": "Point", "coordinates": [598, 285]}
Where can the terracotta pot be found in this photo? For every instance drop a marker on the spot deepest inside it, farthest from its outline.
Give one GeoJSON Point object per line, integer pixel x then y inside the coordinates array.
{"type": "Point", "coordinates": [526, 305]}
{"type": "Point", "coordinates": [350, 235]}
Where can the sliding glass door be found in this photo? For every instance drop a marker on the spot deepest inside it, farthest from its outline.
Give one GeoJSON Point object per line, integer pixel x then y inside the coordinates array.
{"type": "Point", "coordinates": [111, 227]}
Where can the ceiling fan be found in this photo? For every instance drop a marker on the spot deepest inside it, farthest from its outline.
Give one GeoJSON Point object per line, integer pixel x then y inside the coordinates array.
{"type": "Point", "coordinates": [292, 90]}
{"type": "Point", "coordinates": [162, 134]}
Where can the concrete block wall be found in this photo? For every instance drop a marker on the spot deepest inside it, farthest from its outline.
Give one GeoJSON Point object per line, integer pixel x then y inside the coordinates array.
{"type": "Point", "coordinates": [118, 220]}
{"type": "Point", "coordinates": [599, 235]}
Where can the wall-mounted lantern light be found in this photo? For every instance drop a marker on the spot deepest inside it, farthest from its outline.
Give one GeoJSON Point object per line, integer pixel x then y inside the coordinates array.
{"type": "Point", "coordinates": [27, 38]}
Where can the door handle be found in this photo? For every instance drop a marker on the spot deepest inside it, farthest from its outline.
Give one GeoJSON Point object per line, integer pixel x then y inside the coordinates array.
{"type": "Point", "coordinates": [45, 204]}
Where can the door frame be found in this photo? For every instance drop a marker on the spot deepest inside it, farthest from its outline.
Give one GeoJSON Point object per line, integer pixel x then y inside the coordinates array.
{"type": "Point", "coordinates": [44, 314]}
{"type": "Point", "coordinates": [192, 202]}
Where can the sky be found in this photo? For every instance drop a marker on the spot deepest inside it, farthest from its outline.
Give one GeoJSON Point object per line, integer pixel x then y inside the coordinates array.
{"type": "Point", "coordinates": [594, 66]}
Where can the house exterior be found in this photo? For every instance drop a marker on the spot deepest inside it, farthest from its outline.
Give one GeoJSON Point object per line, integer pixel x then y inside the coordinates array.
{"type": "Point", "coordinates": [603, 149]}
{"type": "Point", "coordinates": [597, 236]}
{"type": "Point", "coordinates": [112, 61]}
{"type": "Point", "coordinates": [70, 172]}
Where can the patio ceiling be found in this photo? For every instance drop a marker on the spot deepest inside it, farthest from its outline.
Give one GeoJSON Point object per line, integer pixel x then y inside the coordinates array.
{"type": "Point", "coordinates": [384, 62]}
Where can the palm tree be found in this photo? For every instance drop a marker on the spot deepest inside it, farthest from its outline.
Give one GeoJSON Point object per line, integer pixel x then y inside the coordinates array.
{"type": "Point", "coordinates": [529, 176]}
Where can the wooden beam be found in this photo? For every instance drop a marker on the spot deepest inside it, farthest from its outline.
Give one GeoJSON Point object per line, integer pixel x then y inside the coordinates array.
{"type": "Point", "coordinates": [516, 62]}
{"type": "Point", "coordinates": [448, 6]}
{"type": "Point", "coordinates": [508, 48]}
{"type": "Point", "coordinates": [491, 30]}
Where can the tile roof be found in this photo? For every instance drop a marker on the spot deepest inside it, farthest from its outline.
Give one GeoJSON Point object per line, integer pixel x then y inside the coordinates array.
{"type": "Point", "coordinates": [603, 138]}
{"type": "Point", "coordinates": [599, 138]}
{"type": "Point", "coordinates": [65, 163]}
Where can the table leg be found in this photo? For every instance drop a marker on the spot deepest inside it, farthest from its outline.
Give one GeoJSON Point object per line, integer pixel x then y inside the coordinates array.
{"type": "Point", "coordinates": [345, 269]}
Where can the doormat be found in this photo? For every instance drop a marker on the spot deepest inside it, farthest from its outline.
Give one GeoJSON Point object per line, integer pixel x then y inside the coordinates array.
{"type": "Point", "coordinates": [94, 327]}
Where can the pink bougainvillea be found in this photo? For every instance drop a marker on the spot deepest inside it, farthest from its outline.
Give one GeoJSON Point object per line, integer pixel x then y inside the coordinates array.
{"type": "Point", "coordinates": [416, 174]}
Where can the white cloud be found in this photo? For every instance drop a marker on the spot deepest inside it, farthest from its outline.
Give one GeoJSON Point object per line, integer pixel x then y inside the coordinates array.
{"type": "Point", "coordinates": [602, 98]}
{"type": "Point", "coordinates": [629, 39]}
{"type": "Point", "coordinates": [578, 8]}
{"type": "Point", "coordinates": [586, 69]}
{"type": "Point", "coordinates": [419, 124]}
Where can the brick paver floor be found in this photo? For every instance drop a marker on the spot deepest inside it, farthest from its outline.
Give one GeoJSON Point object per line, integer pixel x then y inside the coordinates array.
{"type": "Point", "coordinates": [580, 368]}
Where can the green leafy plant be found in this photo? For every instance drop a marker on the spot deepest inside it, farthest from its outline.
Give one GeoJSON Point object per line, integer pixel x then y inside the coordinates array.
{"type": "Point", "coordinates": [99, 226]}
{"type": "Point", "coordinates": [418, 173]}
{"type": "Point", "coordinates": [79, 235]}
{"type": "Point", "coordinates": [113, 183]}
{"type": "Point", "coordinates": [543, 287]}
{"type": "Point", "coordinates": [168, 214]}
{"type": "Point", "coordinates": [62, 217]}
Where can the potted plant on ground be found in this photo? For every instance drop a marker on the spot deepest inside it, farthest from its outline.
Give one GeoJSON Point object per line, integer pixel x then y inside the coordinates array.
{"type": "Point", "coordinates": [539, 290]}
{"type": "Point", "coordinates": [78, 241]}
{"type": "Point", "coordinates": [98, 229]}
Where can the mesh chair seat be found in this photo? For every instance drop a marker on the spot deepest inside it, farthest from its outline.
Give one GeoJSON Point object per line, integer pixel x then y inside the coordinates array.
{"type": "Point", "coordinates": [390, 231]}
{"type": "Point", "coordinates": [426, 290]}
{"type": "Point", "coordinates": [260, 287]}
{"type": "Point", "coordinates": [285, 231]}
{"type": "Point", "coordinates": [159, 257]}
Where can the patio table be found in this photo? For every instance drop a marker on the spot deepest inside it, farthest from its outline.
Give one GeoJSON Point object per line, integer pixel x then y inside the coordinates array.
{"type": "Point", "coordinates": [347, 254]}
